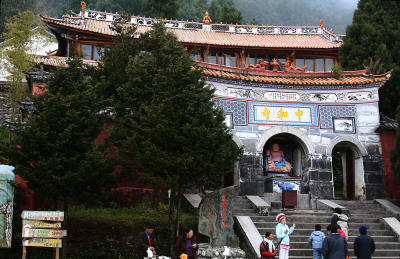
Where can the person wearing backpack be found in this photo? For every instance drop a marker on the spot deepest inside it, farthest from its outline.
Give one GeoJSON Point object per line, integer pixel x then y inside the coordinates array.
{"type": "Point", "coordinates": [267, 247]}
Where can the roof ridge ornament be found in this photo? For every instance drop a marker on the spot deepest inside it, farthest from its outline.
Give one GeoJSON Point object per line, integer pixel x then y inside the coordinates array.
{"type": "Point", "coordinates": [206, 18]}
{"type": "Point", "coordinates": [83, 5]}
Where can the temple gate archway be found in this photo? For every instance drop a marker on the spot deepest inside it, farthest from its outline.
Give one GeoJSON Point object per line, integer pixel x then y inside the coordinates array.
{"type": "Point", "coordinates": [347, 171]}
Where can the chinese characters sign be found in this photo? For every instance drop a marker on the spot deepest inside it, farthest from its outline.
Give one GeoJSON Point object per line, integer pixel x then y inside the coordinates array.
{"type": "Point", "coordinates": [283, 114]}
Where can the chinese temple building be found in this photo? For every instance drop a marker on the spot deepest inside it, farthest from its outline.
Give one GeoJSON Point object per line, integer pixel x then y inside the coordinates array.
{"type": "Point", "coordinates": [300, 125]}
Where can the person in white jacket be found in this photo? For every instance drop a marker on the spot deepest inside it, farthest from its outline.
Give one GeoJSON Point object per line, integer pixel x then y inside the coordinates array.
{"type": "Point", "coordinates": [340, 219]}
{"type": "Point", "coordinates": [282, 234]}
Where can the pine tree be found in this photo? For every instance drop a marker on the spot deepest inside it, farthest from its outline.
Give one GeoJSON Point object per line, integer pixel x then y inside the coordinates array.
{"type": "Point", "coordinates": [161, 8]}
{"type": "Point", "coordinates": [374, 35]}
{"type": "Point", "coordinates": [166, 125]}
{"type": "Point", "coordinates": [54, 152]}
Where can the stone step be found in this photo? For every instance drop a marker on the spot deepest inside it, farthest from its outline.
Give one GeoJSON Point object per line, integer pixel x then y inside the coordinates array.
{"type": "Point", "coordinates": [381, 245]}
{"type": "Point", "coordinates": [313, 219]}
{"type": "Point", "coordinates": [378, 252]}
{"type": "Point", "coordinates": [302, 238]}
{"type": "Point", "coordinates": [374, 232]}
{"type": "Point", "coordinates": [311, 225]}
{"type": "Point", "coordinates": [351, 257]}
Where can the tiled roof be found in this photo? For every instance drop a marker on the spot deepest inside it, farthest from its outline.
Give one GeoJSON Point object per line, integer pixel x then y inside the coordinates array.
{"type": "Point", "coordinates": [358, 77]}
{"type": "Point", "coordinates": [280, 78]}
{"type": "Point", "coordinates": [313, 37]}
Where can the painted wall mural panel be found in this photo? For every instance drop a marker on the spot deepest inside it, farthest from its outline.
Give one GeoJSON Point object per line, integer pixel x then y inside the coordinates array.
{"type": "Point", "coordinates": [326, 113]}
{"type": "Point", "coordinates": [283, 114]}
{"type": "Point", "coordinates": [236, 108]}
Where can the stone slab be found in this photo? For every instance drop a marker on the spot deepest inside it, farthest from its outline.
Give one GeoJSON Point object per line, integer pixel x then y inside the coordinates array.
{"type": "Point", "coordinates": [394, 225]}
{"type": "Point", "coordinates": [193, 199]}
{"type": "Point", "coordinates": [250, 234]}
{"type": "Point", "coordinates": [262, 206]}
{"type": "Point", "coordinates": [330, 205]}
{"type": "Point", "coordinates": [389, 206]}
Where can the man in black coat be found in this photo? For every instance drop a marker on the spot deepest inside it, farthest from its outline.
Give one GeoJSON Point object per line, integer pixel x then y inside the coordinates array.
{"type": "Point", "coordinates": [145, 242]}
{"type": "Point", "coordinates": [334, 245]}
{"type": "Point", "coordinates": [364, 246]}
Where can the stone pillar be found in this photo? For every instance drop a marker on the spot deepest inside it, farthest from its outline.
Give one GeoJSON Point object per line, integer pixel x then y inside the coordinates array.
{"type": "Point", "coordinates": [319, 177]}
{"type": "Point", "coordinates": [250, 172]}
{"type": "Point", "coordinates": [373, 176]}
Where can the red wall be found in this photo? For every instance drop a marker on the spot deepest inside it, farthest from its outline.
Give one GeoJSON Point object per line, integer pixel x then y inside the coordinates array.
{"type": "Point", "coordinates": [388, 143]}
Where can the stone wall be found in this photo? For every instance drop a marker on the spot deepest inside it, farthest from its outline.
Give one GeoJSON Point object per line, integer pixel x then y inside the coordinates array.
{"type": "Point", "coordinates": [317, 139]}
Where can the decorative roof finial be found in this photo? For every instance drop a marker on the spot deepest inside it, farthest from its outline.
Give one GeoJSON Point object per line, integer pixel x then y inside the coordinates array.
{"type": "Point", "coordinates": [321, 22]}
{"type": "Point", "coordinates": [83, 5]}
{"type": "Point", "coordinates": [207, 19]}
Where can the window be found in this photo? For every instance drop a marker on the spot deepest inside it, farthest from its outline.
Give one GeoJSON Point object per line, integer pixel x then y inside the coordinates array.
{"type": "Point", "coordinates": [98, 52]}
{"type": "Point", "coordinates": [250, 59]}
{"type": "Point", "coordinates": [230, 59]}
{"type": "Point", "coordinates": [86, 51]}
{"type": "Point", "coordinates": [310, 64]}
{"type": "Point", "coordinates": [328, 64]}
{"type": "Point", "coordinates": [319, 65]}
{"type": "Point", "coordinates": [212, 58]}
{"type": "Point", "coordinates": [195, 55]}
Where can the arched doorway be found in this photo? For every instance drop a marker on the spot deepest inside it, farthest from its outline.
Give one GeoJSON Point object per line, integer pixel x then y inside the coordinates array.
{"type": "Point", "coordinates": [348, 172]}
{"type": "Point", "coordinates": [293, 149]}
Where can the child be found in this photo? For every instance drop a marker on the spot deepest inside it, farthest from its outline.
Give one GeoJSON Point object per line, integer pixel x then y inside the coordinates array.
{"type": "Point", "coordinates": [267, 247]}
{"type": "Point", "coordinates": [282, 234]}
{"type": "Point", "coordinates": [316, 238]}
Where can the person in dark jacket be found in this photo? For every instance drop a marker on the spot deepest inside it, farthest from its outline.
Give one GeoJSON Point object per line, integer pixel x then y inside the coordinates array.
{"type": "Point", "coordinates": [334, 245]}
{"type": "Point", "coordinates": [364, 246]}
{"type": "Point", "coordinates": [267, 247]}
{"type": "Point", "coordinates": [186, 244]}
{"type": "Point", "coordinates": [145, 242]}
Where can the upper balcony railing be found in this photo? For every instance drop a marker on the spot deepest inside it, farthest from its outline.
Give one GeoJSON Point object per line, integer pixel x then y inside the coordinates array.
{"type": "Point", "coordinates": [229, 28]}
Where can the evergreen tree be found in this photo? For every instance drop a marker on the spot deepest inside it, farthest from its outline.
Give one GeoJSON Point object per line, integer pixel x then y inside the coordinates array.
{"type": "Point", "coordinates": [161, 8]}
{"type": "Point", "coordinates": [166, 125]}
{"type": "Point", "coordinates": [373, 38]}
{"type": "Point", "coordinates": [224, 11]}
{"type": "Point", "coordinates": [54, 152]}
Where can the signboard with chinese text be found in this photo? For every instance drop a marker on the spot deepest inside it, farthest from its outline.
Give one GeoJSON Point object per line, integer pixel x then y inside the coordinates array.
{"type": "Point", "coordinates": [45, 233]}
{"type": "Point", "coordinates": [43, 215]}
{"type": "Point", "coordinates": [43, 242]}
{"type": "Point", "coordinates": [283, 114]}
{"type": "Point", "coordinates": [42, 229]}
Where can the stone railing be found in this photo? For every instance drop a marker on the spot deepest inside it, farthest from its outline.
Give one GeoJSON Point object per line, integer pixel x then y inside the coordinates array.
{"type": "Point", "coordinates": [232, 28]}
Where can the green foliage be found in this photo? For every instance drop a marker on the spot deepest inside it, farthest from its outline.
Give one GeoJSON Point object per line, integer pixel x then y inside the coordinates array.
{"type": "Point", "coordinates": [165, 115]}
{"type": "Point", "coordinates": [224, 11]}
{"type": "Point", "coordinates": [166, 125]}
{"type": "Point", "coordinates": [55, 153]}
{"type": "Point", "coordinates": [337, 14]}
{"type": "Point", "coordinates": [373, 37]}
{"type": "Point", "coordinates": [5, 139]}
{"type": "Point", "coordinates": [337, 71]}
{"type": "Point", "coordinates": [16, 52]}
{"type": "Point", "coordinates": [98, 232]}
{"type": "Point", "coordinates": [161, 8]}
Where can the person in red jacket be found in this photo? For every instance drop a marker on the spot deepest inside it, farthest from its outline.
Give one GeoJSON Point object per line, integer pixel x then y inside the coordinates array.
{"type": "Point", "coordinates": [267, 247]}
{"type": "Point", "coordinates": [340, 231]}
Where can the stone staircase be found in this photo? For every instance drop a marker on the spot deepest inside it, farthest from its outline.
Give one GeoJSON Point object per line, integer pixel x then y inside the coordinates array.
{"type": "Point", "coordinates": [362, 213]}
